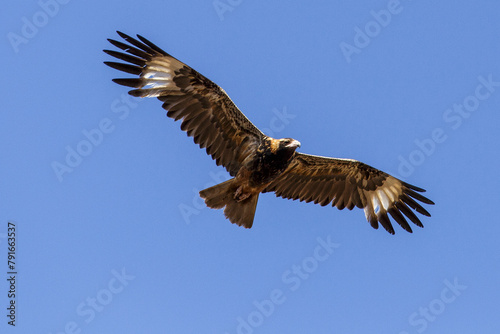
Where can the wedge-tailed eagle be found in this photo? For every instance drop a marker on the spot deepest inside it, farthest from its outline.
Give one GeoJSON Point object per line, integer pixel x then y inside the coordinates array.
{"type": "Point", "coordinates": [258, 163]}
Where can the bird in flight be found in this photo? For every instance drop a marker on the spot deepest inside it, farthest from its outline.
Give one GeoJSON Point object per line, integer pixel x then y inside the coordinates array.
{"type": "Point", "coordinates": [258, 163]}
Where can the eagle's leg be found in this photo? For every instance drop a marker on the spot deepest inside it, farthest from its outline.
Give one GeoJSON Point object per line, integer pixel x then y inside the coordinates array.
{"type": "Point", "coordinates": [239, 195]}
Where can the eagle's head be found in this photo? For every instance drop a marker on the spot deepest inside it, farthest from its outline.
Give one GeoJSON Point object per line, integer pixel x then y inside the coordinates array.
{"type": "Point", "coordinates": [288, 143]}
{"type": "Point", "coordinates": [287, 146]}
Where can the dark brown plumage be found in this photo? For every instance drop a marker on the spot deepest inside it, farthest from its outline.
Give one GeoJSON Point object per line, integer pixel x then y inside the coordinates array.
{"type": "Point", "coordinates": [258, 163]}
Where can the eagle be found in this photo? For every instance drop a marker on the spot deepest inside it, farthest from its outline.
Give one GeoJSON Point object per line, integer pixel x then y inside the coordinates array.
{"type": "Point", "coordinates": [256, 162]}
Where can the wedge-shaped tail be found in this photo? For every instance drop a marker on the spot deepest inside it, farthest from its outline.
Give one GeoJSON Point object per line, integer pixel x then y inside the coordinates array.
{"type": "Point", "coordinates": [221, 196]}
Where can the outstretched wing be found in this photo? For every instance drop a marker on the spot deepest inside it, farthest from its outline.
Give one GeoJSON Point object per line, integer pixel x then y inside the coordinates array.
{"type": "Point", "coordinates": [348, 183]}
{"type": "Point", "coordinates": [207, 113]}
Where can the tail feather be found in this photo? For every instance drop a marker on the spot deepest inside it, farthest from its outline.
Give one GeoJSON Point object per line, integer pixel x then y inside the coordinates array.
{"type": "Point", "coordinates": [217, 196]}
{"type": "Point", "coordinates": [221, 195]}
{"type": "Point", "coordinates": [242, 213]}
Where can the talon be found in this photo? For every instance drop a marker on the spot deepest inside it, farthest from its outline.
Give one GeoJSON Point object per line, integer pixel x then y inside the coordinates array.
{"type": "Point", "coordinates": [239, 195]}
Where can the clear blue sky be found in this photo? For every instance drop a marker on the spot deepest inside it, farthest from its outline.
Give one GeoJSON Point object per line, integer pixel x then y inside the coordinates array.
{"type": "Point", "coordinates": [120, 242]}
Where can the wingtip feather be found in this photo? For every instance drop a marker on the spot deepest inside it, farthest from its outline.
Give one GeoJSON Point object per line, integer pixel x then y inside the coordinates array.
{"type": "Point", "coordinates": [134, 82]}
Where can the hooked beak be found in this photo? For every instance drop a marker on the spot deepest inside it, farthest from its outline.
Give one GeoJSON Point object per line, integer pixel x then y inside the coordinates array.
{"type": "Point", "coordinates": [294, 143]}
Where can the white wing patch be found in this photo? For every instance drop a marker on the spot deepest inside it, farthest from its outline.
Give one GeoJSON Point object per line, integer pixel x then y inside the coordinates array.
{"type": "Point", "coordinates": [375, 204]}
{"type": "Point", "coordinates": [159, 73]}
{"type": "Point", "coordinates": [381, 199]}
